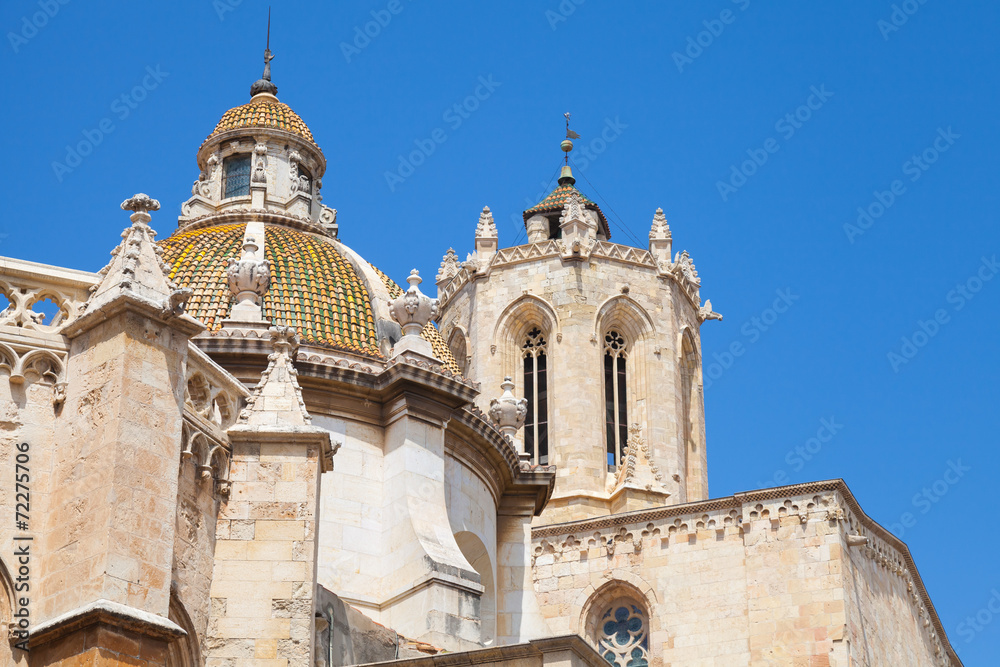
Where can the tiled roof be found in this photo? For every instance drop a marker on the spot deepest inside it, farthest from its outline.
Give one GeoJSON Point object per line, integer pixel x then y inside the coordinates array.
{"type": "Point", "coordinates": [313, 288]}
{"type": "Point", "coordinates": [557, 199]}
{"type": "Point", "coordinates": [429, 332]}
{"type": "Point", "coordinates": [263, 113]}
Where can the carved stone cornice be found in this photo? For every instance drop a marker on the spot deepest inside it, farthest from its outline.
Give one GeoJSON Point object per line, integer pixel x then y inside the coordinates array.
{"type": "Point", "coordinates": [231, 216]}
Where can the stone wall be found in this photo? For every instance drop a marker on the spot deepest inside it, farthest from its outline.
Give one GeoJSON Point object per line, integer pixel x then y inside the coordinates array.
{"type": "Point", "coordinates": [350, 521]}
{"type": "Point", "coordinates": [194, 547]}
{"type": "Point", "coordinates": [755, 579]}
{"type": "Point", "coordinates": [889, 618]}
{"type": "Point", "coordinates": [27, 415]}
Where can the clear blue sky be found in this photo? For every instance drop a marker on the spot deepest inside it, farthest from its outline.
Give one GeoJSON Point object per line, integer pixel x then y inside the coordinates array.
{"type": "Point", "coordinates": [675, 127]}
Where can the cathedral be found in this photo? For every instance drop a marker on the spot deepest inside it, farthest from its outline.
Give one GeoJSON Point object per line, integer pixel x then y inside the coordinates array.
{"type": "Point", "coordinates": [241, 444]}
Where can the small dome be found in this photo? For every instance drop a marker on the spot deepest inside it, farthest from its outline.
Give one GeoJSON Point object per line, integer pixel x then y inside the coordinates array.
{"type": "Point", "coordinates": [263, 111]}
{"type": "Point", "coordinates": [314, 288]}
{"type": "Point", "coordinates": [557, 199]}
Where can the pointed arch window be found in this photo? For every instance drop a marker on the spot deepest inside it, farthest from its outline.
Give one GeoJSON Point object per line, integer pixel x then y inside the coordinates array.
{"type": "Point", "coordinates": [236, 175]}
{"type": "Point", "coordinates": [536, 424]}
{"type": "Point", "coordinates": [615, 396]}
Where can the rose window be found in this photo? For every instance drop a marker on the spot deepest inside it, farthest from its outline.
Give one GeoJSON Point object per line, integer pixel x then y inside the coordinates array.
{"type": "Point", "coordinates": [623, 640]}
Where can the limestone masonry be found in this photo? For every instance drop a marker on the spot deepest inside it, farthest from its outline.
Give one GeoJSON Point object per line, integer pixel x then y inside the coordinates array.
{"type": "Point", "coordinates": [249, 447]}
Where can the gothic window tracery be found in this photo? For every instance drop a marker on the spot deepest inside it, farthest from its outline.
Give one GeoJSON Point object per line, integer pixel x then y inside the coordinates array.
{"type": "Point", "coordinates": [536, 424]}
{"type": "Point", "coordinates": [623, 635]}
{"type": "Point", "coordinates": [615, 396]}
{"type": "Point", "coordinates": [236, 175]}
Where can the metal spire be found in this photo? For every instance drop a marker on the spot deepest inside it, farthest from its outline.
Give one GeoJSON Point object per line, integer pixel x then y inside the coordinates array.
{"type": "Point", "coordinates": [263, 84]}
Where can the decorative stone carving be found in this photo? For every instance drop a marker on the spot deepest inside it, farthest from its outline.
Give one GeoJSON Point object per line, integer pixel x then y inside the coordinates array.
{"type": "Point", "coordinates": [249, 279]}
{"type": "Point", "coordinates": [137, 266]}
{"type": "Point", "coordinates": [660, 241]}
{"type": "Point", "coordinates": [684, 267]}
{"type": "Point", "coordinates": [706, 312]}
{"type": "Point", "coordinates": [413, 310]}
{"type": "Point", "coordinates": [259, 164]}
{"type": "Point", "coordinates": [683, 270]}
{"type": "Point", "coordinates": [573, 210]}
{"type": "Point", "coordinates": [203, 186]}
{"type": "Point", "coordinates": [856, 540]}
{"type": "Point", "coordinates": [579, 229]}
{"type": "Point", "coordinates": [293, 170]}
{"type": "Point", "coordinates": [327, 215]}
{"type": "Point", "coordinates": [486, 238]}
{"type": "Point", "coordinates": [508, 412]}
{"type": "Point", "coordinates": [449, 266]}
{"type": "Point", "coordinates": [660, 229]}
{"type": "Point", "coordinates": [277, 398]}
{"type": "Point", "coordinates": [299, 182]}
{"type": "Point", "coordinates": [637, 469]}
{"type": "Point", "coordinates": [487, 228]}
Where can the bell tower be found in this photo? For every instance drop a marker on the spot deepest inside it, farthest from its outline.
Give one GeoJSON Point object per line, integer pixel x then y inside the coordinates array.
{"type": "Point", "coordinates": [601, 339]}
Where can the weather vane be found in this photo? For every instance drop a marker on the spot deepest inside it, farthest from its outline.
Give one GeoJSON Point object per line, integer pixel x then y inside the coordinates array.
{"type": "Point", "coordinates": [567, 145]}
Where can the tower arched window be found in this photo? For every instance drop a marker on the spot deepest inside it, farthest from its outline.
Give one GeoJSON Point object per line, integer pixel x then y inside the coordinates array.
{"type": "Point", "coordinates": [236, 175]}
{"type": "Point", "coordinates": [623, 634]}
{"type": "Point", "coordinates": [615, 396]}
{"type": "Point", "coordinates": [536, 424]}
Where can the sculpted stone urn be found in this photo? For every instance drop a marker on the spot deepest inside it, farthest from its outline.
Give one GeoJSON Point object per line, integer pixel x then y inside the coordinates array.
{"type": "Point", "coordinates": [508, 412]}
{"type": "Point", "coordinates": [413, 310]}
{"type": "Point", "coordinates": [249, 279]}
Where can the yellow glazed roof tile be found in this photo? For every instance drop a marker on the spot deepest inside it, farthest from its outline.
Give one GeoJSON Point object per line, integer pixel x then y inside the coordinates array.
{"type": "Point", "coordinates": [313, 287]}
{"type": "Point", "coordinates": [263, 113]}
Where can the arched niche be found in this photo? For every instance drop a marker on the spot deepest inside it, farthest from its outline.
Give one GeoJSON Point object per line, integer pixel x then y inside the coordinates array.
{"type": "Point", "coordinates": [478, 556]}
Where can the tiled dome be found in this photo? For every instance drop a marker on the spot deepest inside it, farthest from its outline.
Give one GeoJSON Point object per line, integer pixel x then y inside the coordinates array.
{"type": "Point", "coordinates": [313, 287]}
{"type": "Point", "coordinates": [557, 199]}
{"type": "Point", "coordinates": [263, 111]}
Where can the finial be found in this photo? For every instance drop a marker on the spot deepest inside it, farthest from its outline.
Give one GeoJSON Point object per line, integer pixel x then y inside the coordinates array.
{"type": "Point", "coordinates": [263, 84]}
{"type": "Point", "coordinates": [140, 204]}
{"type": "Point", "coordinates": [413, 310]}
{"type": "Point", "coordinates": [508, 412]}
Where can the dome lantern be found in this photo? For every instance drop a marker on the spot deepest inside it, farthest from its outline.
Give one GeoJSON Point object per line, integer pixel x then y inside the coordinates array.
{"type": "Point", "coordinates": [261, 157]}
